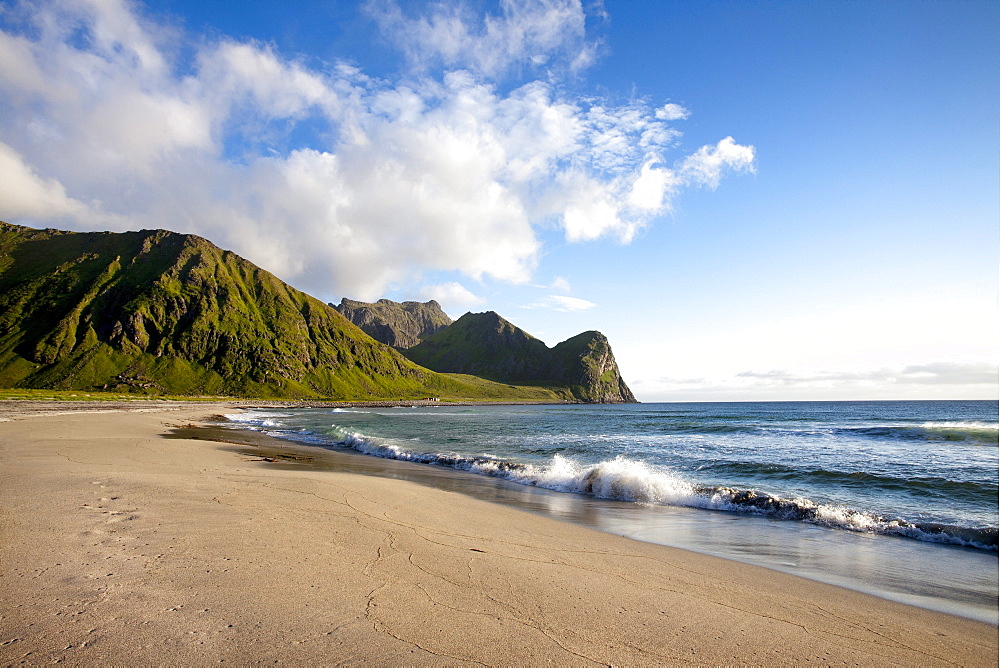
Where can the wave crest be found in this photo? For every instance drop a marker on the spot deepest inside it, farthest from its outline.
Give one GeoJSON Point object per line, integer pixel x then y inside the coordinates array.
{"type": "Point", "coordinates": [624, 479]}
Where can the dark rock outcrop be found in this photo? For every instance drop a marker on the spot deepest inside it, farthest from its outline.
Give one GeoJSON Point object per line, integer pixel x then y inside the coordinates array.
{"type": "Point", "coordinates": [585, 361]}
{"type": "Point", "coordinates": [400, 325]}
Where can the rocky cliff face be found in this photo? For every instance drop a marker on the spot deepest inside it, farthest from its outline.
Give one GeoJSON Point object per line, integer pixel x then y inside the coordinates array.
{"type": "Point", "coordinates": [585, 361]}
{"type": "Point", "coordinates": [400, 325]}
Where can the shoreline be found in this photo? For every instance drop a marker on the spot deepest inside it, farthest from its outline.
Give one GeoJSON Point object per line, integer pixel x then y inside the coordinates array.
{"type": "Point", "coordinates": [776, 545]}
{"type": "Point", "coordinates": [128, 547]}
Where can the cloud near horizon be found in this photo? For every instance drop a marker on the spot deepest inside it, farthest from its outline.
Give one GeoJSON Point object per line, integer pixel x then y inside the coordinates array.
{"type": "Point", "coordinates": [111, 120]}
{"type": "Point", "coordinates": [936, 373]}
{"type": "Point", "coordinates": [940, 379]}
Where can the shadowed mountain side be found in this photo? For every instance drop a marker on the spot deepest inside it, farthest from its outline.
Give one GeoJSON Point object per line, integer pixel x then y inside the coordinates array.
{"type": "Point", "coordinates": [400, 325]}
{"type": "Point", "coordinates": [159, 312]}
{"type": "Point", "coordinates": [484, 344]}
{"type": "Point", "coordinates": [487, 345]}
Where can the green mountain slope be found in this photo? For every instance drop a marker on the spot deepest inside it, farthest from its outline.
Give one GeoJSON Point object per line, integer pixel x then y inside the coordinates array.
{"type": "Point", "coordinates": [158, 312]}
{"type": "Point", "coordinates": [483, 344]}
{"type": "Point", "coordinates": [487, 345]}
{"type": "Point", "coordinates": [400, 325]}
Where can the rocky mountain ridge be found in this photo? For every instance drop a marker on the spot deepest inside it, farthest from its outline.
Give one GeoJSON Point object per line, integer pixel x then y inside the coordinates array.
{"type": "Point", "coordinates": [157, 312]}
{"type": "Point", "coordinates": [400, 325]}
{"type": "Point", "coordinates": [488, 346]}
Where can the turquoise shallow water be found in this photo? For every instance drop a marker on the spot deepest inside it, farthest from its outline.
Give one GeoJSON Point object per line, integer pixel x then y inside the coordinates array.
{"type": "Point", "coordinates": [896, 498]}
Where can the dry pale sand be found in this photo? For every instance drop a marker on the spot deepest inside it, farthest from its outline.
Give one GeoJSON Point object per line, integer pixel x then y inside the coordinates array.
{"type": "Point", "coordinates": [122, 547]}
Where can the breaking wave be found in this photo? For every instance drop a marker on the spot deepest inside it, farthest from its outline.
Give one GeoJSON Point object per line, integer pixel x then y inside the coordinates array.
{"type": "Point", "coordinates": [624, 479]}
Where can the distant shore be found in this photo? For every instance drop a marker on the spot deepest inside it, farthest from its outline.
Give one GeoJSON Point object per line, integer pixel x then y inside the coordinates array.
{"type": "Point", "coordinates": [15, 408]}
{"type": "Point", "coordinates": [121, 546]}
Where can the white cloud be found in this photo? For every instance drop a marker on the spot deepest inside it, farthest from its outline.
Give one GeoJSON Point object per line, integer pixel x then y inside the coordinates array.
{"type": "Point", "coordinates": [562, 303]}
{"type": "Point", "coordinates": [533, 33]}
{"type": "Point", "coordinates": [101, 124]}
{"type": "Point", "coordinates": [560, 283]}
{"type": "Point", "coordinates": [709, 163]}
{"type": "Point", "coordinates": [652, 188]}
{"type": "Point", "coordinates": [945, 380]}
{"type": "Point", "coordinates": [24, 194]}
{"type": "Point", "coordinates": [451, 296]}
{"type": "Point", "coordinates": [672, 112]}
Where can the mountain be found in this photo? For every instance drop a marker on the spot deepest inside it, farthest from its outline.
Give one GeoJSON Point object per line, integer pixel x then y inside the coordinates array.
{"type": "Point", "coordinates": [585, 361]}
{"type": "Point", "coordinates": [398, 325]}
{"type": "Point", "coordinates": [159, 312]}
{"type": "Point", "coordinates": [487, 345]}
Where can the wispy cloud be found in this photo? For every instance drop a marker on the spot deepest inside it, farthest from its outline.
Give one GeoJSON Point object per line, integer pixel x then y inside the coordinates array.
{"type": "Point", "coordinates": [938, 373]}
{"type": "Point", "coordinates": [944, 380]}
{"type": "Point", "coordinates": [951, 373]}
{"type": "Point", "coordinates": [533, 34]}
{"type": "Point", "coordinates": [562, 303]}
{"type": "Point", "coordinates": [103, 124]}
{"type": "Point", "coordinates": [560, 283]}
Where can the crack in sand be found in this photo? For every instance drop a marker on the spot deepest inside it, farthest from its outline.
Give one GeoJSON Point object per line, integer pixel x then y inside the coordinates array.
{"type": "Point", "coordinates": [525, 622]}
{"type": "Point", "coordinates": [76, 461]}
{"type": "Point", "coordinates": [837, 635]}
{"type": "Point", "coordinates": [864, 627]}
{"type": "Point", "coordinates": [379, 626]}
{"type": "Point", "coordinates": [437, 575]}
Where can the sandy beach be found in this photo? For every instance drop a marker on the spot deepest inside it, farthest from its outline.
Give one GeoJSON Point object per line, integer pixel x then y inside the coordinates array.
{"type": "Point", "coordinates": [120, 546]}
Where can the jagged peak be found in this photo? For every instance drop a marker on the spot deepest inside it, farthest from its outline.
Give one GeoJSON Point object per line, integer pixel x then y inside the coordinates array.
{"type": "Point", "coordinates": [401, 325]}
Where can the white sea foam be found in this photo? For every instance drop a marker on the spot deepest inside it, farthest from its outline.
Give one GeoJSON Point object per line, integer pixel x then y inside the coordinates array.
{"type": "Point", "coordinates": [963, 431]}
{"type": "Point", "coordinates": [620, 479]}
{"type": "Point", "coordinates": [628, 479]}
{"type": "Point", "coordinates": [255, 417]}
{"type": "Point", "coordinates": [624, 479]}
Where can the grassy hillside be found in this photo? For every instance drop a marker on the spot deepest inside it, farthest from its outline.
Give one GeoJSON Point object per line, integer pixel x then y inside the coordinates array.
{"type": "Point", "coordinates": [158, 312]}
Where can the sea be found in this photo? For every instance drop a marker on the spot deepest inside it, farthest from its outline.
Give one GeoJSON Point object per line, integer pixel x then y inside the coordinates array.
{"type": "Point", "coordinates": [894, 498]}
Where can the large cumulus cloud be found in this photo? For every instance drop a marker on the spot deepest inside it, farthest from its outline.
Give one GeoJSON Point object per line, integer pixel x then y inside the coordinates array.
{"type": "Point", "coordinates": [111, 120]}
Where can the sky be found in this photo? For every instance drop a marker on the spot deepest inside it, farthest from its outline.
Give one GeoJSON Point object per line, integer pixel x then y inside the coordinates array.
{"type": "Point", "coordinates": [752, 200]}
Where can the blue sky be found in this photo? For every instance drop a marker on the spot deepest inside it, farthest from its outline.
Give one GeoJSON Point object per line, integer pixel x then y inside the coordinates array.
{"type": "Point", "coordinates": [767, 200]}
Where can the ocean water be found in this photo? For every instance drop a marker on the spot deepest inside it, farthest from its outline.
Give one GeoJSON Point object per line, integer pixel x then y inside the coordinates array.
{"type": "Point", "coordinates": [896, 498]}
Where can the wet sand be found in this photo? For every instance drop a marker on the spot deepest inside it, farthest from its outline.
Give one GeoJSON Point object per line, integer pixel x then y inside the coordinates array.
{"type": "Point", "coordinates": [123, 546]}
